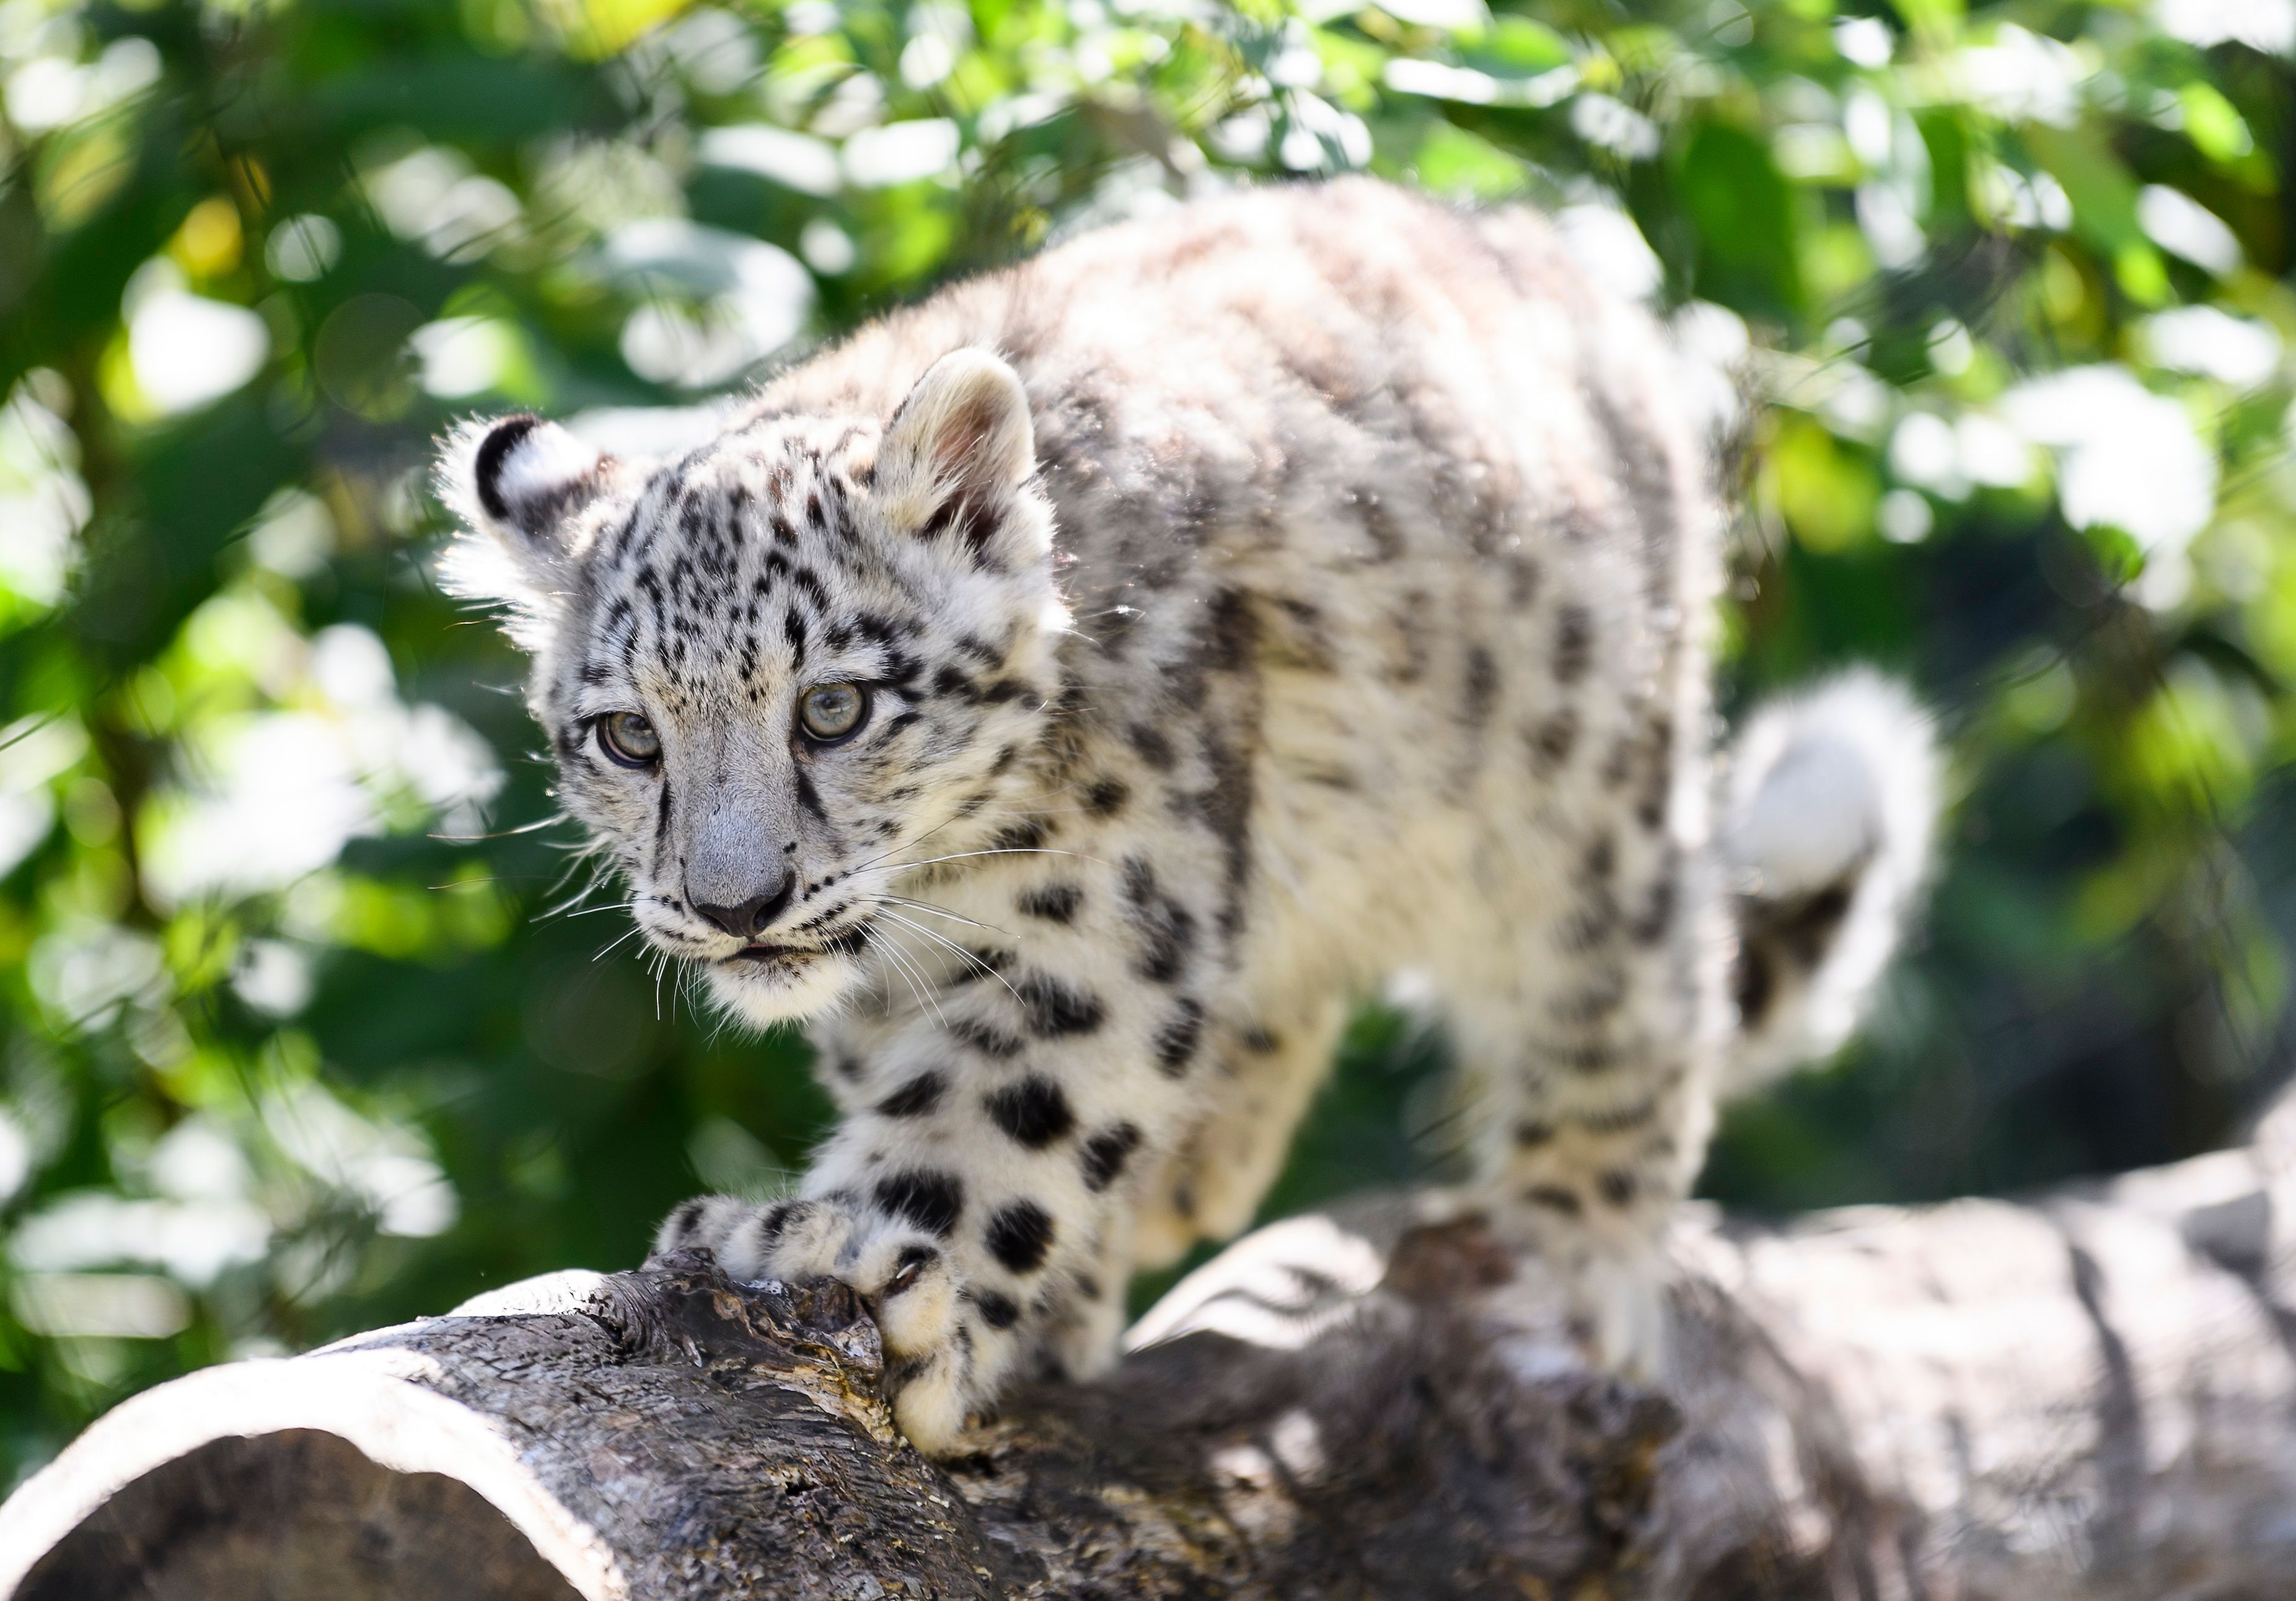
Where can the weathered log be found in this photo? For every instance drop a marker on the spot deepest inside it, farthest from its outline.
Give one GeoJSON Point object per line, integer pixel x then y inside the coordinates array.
{"type": "Point", "coordinates": [2092, 1395]}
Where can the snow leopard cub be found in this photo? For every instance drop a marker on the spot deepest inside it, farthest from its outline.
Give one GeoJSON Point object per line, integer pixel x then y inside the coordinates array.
{"type": "Point", "coordinates": [1070, 692]}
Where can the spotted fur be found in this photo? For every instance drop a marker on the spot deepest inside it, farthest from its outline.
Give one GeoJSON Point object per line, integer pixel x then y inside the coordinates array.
{"type": "Point", "coordinates": [1306, 585]}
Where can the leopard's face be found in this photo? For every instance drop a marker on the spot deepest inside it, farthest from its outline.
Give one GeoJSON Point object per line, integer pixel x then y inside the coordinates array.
{"type": "Point", "coordinates": [778, 672]}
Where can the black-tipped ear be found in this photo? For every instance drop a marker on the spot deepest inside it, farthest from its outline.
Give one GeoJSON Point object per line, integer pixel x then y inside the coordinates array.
{"type": "Point", "coordinates": [527, 474]}
{"type": "Point", "coordinates": [515, 482]}
{"type": "Point", "coordinates": [958, 451]}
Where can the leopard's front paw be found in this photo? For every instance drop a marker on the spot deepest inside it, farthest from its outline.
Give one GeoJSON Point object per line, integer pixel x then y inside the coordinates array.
{"type": "Point", "coordinates": [943, 1352]}
{"type": "Point", "coordinates": [934, 1367]}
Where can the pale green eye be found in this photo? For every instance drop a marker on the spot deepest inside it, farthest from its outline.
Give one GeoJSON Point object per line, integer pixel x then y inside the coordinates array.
{"type": "Point", "coordinates": [833, 711]}
{"type": "Point", "coordinates": [629, 738]}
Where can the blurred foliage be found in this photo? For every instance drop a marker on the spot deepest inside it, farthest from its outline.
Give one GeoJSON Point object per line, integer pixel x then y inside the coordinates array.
{"type": "Point", "coordinates": [287, 1046]}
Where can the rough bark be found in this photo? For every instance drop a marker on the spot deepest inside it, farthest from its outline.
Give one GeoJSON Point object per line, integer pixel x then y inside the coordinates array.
{"type": "Point", "coordinates": [2092, 1395]}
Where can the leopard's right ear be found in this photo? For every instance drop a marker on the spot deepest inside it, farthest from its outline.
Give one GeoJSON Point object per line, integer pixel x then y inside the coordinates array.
{"type": "Point", "coordinates": [516, 482]}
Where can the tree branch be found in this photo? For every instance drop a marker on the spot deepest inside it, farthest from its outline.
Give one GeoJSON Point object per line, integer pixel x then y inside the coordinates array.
{"type": "Point", "coordinates": [2087, 1396]}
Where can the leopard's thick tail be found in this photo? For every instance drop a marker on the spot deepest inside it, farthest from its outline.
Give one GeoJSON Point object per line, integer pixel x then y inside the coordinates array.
{"type": "Point", "coordinates": [1828, 808]}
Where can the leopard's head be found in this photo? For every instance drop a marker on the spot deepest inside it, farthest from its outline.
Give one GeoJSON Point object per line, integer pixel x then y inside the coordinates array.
{"type": "Point", "coordinates": [777, 671]}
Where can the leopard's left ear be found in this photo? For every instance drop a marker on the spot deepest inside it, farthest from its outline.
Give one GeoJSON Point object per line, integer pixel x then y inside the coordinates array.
{"type": "Point", "coordinates": [957, 456]}
{"type": "Point", "coordinates": [516, 482]}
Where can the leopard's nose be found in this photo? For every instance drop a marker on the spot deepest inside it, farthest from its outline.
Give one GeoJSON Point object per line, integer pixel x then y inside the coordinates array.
{"type": "Point", "coordinates": [753, 916]}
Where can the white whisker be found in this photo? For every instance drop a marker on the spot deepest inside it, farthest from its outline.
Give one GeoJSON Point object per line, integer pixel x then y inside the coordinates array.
{"type": "Point", "coordinates": [600, 874]}
{"type": "Point", "coordinates": [589, 911]}
{"type": "Point", "coordinates": [919, 840]}
{"type": "Point", "coordinates": [524, 828]}
{"type": "Point", "coordinates": [943, 912]}
{"type": "Point", "coordinates": [616, 944]}
{"type": "Point", "coordinates": [914, 978]}
{"type": "Point", "coordinates": [902, 867]}
{"type": "Point", "coordinates": [960, 949]}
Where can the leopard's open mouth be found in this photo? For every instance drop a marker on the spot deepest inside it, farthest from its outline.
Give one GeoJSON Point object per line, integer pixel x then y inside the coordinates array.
{"type": "Point", "coordinates": [758, 951]}
{"type": "Point", "coordinates": [766, 982]}
{"type": "Point", "coordinates": [845, 942]}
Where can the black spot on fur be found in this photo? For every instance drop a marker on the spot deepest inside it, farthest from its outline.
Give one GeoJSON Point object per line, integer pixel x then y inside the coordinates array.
{"type": "Point", "coordinates": [1229, 633]}
{"type": "Point", "coordinates": [1553, 1198]}
{"type": "Point", "coordinates": [1574, 642]}
{"type": "Point", "coordinates": [1034, 1112]}
{"type": "Point", "coordinates": [1553, 741]}
{"type": "Point", "coordinates": [1167, 929]}
{"type": "Point", "coordinates": [1303, 641]}
{"type": "Point", "coordinates": [1619, 766]}
{"type": "Point", "coordinates": [949, 682]}
{"type": "Point", "coordinates": [1226, 808]}
{"type": "Point", "coordinates": [1619, 1119]}
{"type": "Point", "coordinates": [916, 1098]}
{"type": "Point", "coordinates": [683, 1221]}
{"type": "Point", "coordinates": [1527, 1135]}
{"type": "Point", "coordinates": [908, 1268]}
{"type": "Point", "coordinates": [774, 1223]}
{"type": "Point", "coordinates": [1601, 859]}
{"type": "Point", "coordinates": [1658, 912]}
{"type": "Point", "coordinates": [1522, 582]}
{"type": "Point", "coordinates": [998, 1311]}
{"type": "Point", "coordinates": [1414, 637]}
{"type": "Point", "coordinates": [1589, 1003]}
{"type": "Point", "coordinates": [986, 1039]}
{"type": "Point", "coordinates": [985, 959]}
{"type": "Point", "coordinates": [931, 1199]}
{"type": "Point", "coordinates": [1584, 1055]}
{"type": "Point", "coordinates": [1106, 1153]}
{"type": "Point", "coordinates": [1026, 835]}
{"type": "Point", "coordinates": [1020, 1235]}
{"type": "Point", "coordinates": [1793, 935]}
{"type": "Point", "coordinates": [1650, 806]}
{"type": "Point", "coordinates": [1106, 799]}
{"type": "Point", "coordinates": [972, 518]}
{"type": "Point", "coordinates": [1056, 1011]}
{"type": "Point", "coordinates": [1176, 1039]}
{"type": "Point", "coordinates": [1054, 902]}
{"type": "Point", "coordinates": [1379, 529]}
{"type": "Point", "coordinates": [1151, 747]}
{"type": "Point", "coordinates": [1618, 1188]}
{"type": "Point", "coordinates": [808, 796]}
{"type": "Point", "coordinates": [1481, 692]}
{"type": "Point", "coordinates": [1591, 924]}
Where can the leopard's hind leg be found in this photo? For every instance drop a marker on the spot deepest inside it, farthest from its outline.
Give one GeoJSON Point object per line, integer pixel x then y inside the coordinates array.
{"type": "Point", "coordinates": [1267, 1069]}
{"type": "Point", "coordinates": [1590, 1027]}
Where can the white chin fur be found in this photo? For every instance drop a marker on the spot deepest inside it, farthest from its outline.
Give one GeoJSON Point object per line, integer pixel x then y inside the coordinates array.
{"type": "Point", "coordinates": [763, 995]}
